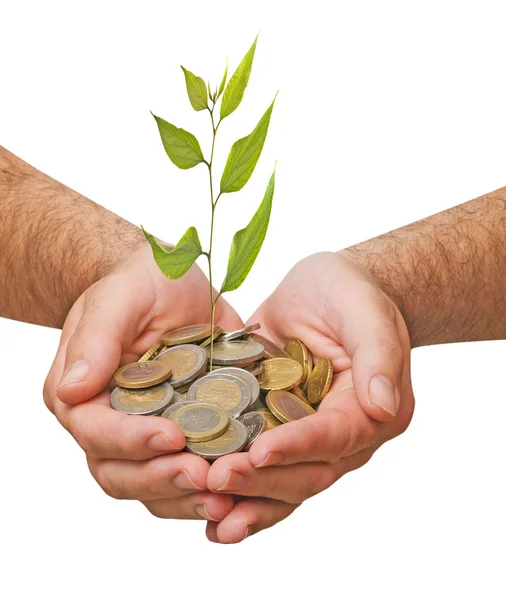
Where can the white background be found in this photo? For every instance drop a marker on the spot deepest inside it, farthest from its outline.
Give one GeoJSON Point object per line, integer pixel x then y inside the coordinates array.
{"type": "Point", "coordinates": [387, 112]}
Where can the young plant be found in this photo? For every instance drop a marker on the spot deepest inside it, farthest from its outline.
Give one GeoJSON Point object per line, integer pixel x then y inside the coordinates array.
{"type": "Point", "coordinates": [183, 149]}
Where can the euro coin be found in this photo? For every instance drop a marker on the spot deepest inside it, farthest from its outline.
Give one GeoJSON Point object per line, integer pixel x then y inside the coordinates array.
{"type": "Point", "coordinates": [150, 353]}
{"type": "Point", "coordinates": [320, 380]}
{"type": "Point", "coordinates": [286, 407]}
{"type": "Point", "coordinates": [187, 362]}
{"type": "Point", "coordinates": [254, 369]}
{"type": "Point", "coordinates": [216, 333]}
{"type": "Point", "coordinates": [249, 379]}
{"type": "Point", "coordinates": [226, 391]}
{"type": "Point", "coordinates": [255, 425]}
{"type": "Point", "coordinates": [175, 405]}
{"type": "Point", "coordinates": [141, 375]}
{"type": "Point", "coordinates": [270, 348]}
{"type": "Point", "coordinates": [233, 335]}
{"type": "Point", "coordinates": [149, 401]}
{"type": "Point", "coordinates": [299, 352]}
{"type": "Point", "coordinates": [270, 420]}
{"type": "Point", "coordinates": [236, 353]}
{"type": "Point", "coordinates": [280, 374]}
{"type": "Point", "coordinates": [200, 422]}
{"type": "Point", "coordinates": [296, 391]}
{"type": "Point", "coordinates": [232, 440]}
{"type": "Point", "coordinates": [186, 335]}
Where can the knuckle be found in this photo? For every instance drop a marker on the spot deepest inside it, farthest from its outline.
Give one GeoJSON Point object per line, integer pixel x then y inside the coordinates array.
{"type": "Point", "coordinates": [47, 394]}
{"type": "Point", "coordinates": [322, 476]}
{"type": "Point", "coordinates": [104, 480]}
{"type": "Point", "coordinates": [155, 509]}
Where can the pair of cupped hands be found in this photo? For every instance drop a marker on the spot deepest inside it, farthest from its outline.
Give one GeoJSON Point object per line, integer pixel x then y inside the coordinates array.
{"type": "Point", "coordinates": [325, 301]}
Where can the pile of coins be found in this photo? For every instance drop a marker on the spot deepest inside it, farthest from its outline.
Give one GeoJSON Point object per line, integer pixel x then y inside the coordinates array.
{"type": "Point", "coordinates": [254, 386]}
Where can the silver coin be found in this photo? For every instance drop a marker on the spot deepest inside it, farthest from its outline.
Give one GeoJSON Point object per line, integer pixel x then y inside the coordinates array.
{"type": "Point", "coordinates": [228, 392]}
{"type": "Point", "coordinates": [233, 440]}
{"type": "Point", "coordinates": [170, 410]}
{"type": "Point", "coordinates": [187, 362]}
{"type": "Point", "coordinates": [233, 335]}
{"type": "Point", "coordinates": [147, 401]}
{"type": "Point", "coordinates": [237, 353]}
{"type": "Point", "coordinates": [255, 425]}
{"type": "Point", "coordinates": [245, 376]}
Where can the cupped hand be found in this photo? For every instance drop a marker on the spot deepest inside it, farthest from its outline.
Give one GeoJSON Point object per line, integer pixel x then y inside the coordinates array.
{"type": "Point", "coordinates": [114, 322]}
{"type": "Point", "coordinates": [332, 306]}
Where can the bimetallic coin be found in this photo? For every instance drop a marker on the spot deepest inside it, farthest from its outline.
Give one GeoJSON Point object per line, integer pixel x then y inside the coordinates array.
{"type": "Point", "coordinates": [286, 407]}
{"type": "Point", "coordinates": [296, 391]}
{"type": "Point", "coordinates": [280, 374]}
{"type": "Point", "coordinates": [270, 419]}
{"type": "Point", "coordinates": [187, 362]}
{"type": "Point", "coordinates": [141, 375]}
{"type": "Point", "coordinates": [237, 353]}
{"type": "Point", "coordinates": [176, 405]}
{"type": "Point", "coordinates": [233, 440]}
{"type": "Point", "coordinates": [150, 353]}
{"type": "Point", "coordinates": [150, 401]}
{"type": "Point", "coordinates": [270, 348]}
{"type": "Point", "coordinates": [178, 397]}
{"type": "Point", "coordinates": [255, 369]}
{"type": "Point", "coordinates": [200, 422]}
{"type": "Point", "coordinates": [216, 333]}
{"type": "Point", "coordinates": [186, 335]}
{"type": "Point", "coordinates": [233, 335]}
{"type": "Point", "coordinates": [320, 380]}
{"type": "Point", "coordinates": [245, 376]}
{"type": "Point", "coordinates": [299, 352]}
{"type": "Point", "coordinates": [255, 425]}
{"type": "Point", "coordinates": [226, 391]}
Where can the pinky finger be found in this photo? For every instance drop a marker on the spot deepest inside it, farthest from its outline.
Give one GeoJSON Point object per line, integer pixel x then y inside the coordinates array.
{"type": "Point", "coordinates": [247, 518]}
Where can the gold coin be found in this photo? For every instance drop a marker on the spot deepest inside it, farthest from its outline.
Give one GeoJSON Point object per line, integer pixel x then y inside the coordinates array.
{"type": "Point", "coordinates": [150, 353]}
{"type": "Point", "coordinates": [216, 333]}
{"type": "Point", "coordinates": [270, 348]}
{"type": "Point", "coordinates": [280, 374]}
{"type": "Point", "coordinates": [200, 422]}
{"type": "Point", "coordinates": [320, 380]}
{"type": "Point", "coordinates": [141, 375]}
{"type": "Point", "coordinates": [299, 352]}
{"type": "Point", "coordinates": [287, 407]}
{"type": "Point", "coordinates": [270, 419]}
{"type": "Point", "coordinates": [149, 401]}
{"type": "Point", "coordinates": [186, 335]}
{"type": "Point", "coordinates": [296, 391]}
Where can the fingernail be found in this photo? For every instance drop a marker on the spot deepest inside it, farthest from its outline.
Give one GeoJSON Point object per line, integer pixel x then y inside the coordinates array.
{"type": "Point", "coordinates": [273, 458]}
{"type": "Point", "coordinates": [77, 372]}
{"type": "Point", "coordinates": [235, 482]}
{"type": "Point", "coordinates": [201, 510]}
{"type": "Point", "coordinates": [184, 482]}
{"type": "Point", "coordinates": [161, 443]}
{"type": "Point", "coordinates": [382, 394]}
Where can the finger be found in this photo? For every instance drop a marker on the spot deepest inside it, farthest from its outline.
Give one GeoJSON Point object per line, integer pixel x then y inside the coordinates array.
{"type": "Point", "coordinates": [164, 477]}
{"type": "Point", "coordinates": [113, 313]}
{"type": "Point", "coordinates": [247, 518]}
{"type": "Point", "coordinates": [103, 432]}
{"type": "Point", "coordinates": [226, 317]}
{"type": "Point", "coordinates": [195, 506]}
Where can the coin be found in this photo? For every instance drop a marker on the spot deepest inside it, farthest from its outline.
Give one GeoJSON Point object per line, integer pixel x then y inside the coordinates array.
{"type": "Point", "coordinates": [226, 391]}
{"type": "Point", "coordinates": [299, 352]}
{"type": "Point", "coordinates": [270, 419]}
{"type": "Point", "coordinates": [320, 380]}
{"type": "Point", "coordinates": [200, 422]}
{"type": "Point", "coordinates": [150, 401]}
{"type": "Point", "coordinates": [187, 362]}
{"type": "Point", "coordinates": [185, 335]}
{"type": "Point", "coordinates": [280, 374]}
{"type": "Point", "coordinates": [254, 369]}
{"type": "Point", "coordinates": [216, 333]}
{"type": "Point", "coordinates": [233, 440]}
{"type": "Point", "coordinates": [233, 335]}
{"type": "Point", "coordinates": [141, 375]}
{"type": "Point", "coordinates": [150, 353]}
{"type": "Point", "coordinates": [270, 348]}
{"type": "Point", "coordinates": [178, 397]}
{"type": "Point", "coordinates": [237, 353]}
{"type": "Point", "coordinates": [255, 425]}
{"type": "Point", "coordinates": [175, 405]}
{"type": "Point", "coordinates": [296, 391]}
{"type": "Point", "coordinates": [249, 379]}
{"type": "Point", "coordinates": [286, 407]}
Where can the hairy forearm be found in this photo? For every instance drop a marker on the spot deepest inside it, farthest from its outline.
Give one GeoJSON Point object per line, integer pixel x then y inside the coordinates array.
{"type": "Point", "coordinates": [447, 273]}
{"type": "Point", "coordinates": [54, 243]}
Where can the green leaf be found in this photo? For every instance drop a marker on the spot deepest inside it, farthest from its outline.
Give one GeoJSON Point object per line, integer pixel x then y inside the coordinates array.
{"type": "Point", "coordinates": [244, 156]}
{"type": "Point", "coordinates": [209, 90]}
{"type": "Point", "coordinates": [247, 243]}
{"type": "Point", "coordinates": [237, 84]}
{"type": "Point", "coordinates": [223, 81]}
{"type": "Point", "coordinates": [196, 88]}
{"type": "Point", "coordinates": [182, 147]}
{"type": "Point", "coordinates": [175, 261]}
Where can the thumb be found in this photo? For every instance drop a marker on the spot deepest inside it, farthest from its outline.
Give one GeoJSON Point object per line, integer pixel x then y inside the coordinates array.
{"type": "Point", "coordinates": [93, 352]}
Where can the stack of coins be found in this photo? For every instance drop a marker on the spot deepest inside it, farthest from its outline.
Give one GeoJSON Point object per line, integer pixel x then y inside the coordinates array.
{"type": "Point", "coordinates": [254, 386]}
